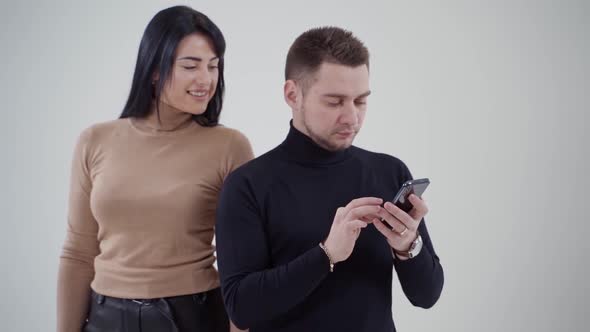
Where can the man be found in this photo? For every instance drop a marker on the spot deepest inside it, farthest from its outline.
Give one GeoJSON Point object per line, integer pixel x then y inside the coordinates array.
{"type": "Point", "coordinates": [300, 239]}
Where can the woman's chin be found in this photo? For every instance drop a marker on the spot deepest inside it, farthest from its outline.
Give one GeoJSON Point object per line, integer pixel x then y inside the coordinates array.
{"type": "Point", "coordinates": [196, 111]}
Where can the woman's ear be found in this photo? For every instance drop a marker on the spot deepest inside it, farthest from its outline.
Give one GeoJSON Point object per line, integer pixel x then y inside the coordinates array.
{"type": "Point", "coordinates": [155, 77]}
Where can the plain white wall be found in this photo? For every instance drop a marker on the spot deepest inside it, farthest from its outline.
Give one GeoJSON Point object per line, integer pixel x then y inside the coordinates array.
{"type": "Point", "coordinates": [489, 99]}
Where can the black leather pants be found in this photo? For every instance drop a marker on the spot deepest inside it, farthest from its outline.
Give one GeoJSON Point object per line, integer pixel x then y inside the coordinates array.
{"type": "Point", "coordinates": [202, 312]}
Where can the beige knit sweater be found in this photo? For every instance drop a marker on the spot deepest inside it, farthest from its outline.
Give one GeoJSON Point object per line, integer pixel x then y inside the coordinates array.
{"type": "Point", "coordinates": [142, 212]}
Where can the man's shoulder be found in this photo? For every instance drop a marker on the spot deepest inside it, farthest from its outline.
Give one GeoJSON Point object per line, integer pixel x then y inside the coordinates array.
{"type": "Point", "coordinates": [258, 169]}
{"type": "Point", "coordinates": [379, 158]}
{"type": "Point", "coordinates": [384, 165]}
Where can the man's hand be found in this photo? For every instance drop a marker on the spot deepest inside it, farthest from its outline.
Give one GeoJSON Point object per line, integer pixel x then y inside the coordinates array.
{"type": "Point", "coordinates": [347, 224]}
{"type": "Point", "coordinates": [233, 328]}
{"type": "Point", "coordinates": [405, 225]}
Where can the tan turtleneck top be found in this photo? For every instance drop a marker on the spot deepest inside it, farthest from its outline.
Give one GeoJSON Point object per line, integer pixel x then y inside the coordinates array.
{"type": "Point", "coordinates": [142, 211]}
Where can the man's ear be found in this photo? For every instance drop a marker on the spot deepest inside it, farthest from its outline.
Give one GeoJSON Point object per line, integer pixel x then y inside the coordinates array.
{"type": "Point", "coordinates": [292, 93]}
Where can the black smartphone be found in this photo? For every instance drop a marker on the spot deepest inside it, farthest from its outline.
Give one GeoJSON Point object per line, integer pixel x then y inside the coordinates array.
{"type": "Point", "coordinates": [416, 187]}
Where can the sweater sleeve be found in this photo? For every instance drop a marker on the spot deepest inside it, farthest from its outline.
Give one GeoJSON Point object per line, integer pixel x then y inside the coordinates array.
{"type": "Point", "coordinates": [421, 277]}
{"type": "Point", "coordinates": [76, 265]}
{"type": "Point", "coordinates": [254, 289]}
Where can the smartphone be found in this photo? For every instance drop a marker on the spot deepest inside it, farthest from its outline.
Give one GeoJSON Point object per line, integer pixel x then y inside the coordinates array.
{"type": "Point", "coordinates": [416, 187]}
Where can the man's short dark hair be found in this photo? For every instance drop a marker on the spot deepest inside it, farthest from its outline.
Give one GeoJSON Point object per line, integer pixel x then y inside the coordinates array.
{"type": "Point", "coordinates": [324, 44]}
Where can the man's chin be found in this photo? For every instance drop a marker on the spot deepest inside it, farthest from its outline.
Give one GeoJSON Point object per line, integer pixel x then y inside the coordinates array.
{"type": "Point", "coordinates": [333, 143]}
{"type": "Point", "coordinates": [339, 146]}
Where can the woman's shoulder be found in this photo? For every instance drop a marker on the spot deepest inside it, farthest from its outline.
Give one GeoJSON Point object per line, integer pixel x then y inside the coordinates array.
{"type": "Point", "coordinates": [99, 131]}
{"type": "Point", "coordinates": [235, 143]}
{"type": "Point", "coordinates": [105, 127]}
{"type": "Point", "coordinates": [228, 134]}
{"type": "Point", "coordinates": [221, 129]}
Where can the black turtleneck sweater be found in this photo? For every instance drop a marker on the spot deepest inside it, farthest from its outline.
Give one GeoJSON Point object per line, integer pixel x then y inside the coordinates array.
{"type": "Point", "coordinates": [272, 214]}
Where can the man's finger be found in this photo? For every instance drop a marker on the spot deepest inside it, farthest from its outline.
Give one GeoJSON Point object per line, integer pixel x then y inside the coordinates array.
{"type": "Point", "coordinates": [363, 211]}
{"type": "Point", "coordinates": [339, 214]}
{"type": "Point", "coordinates": [355, 224]}
{"type": "Point", "coordinates": [363, 201]}
{"type": "Point", "coordinates": [367, 219]}
{"type": "Point", "coordinates": [402, 216]}
{"type": "Point", "coordinates": [420, 209]}
{"type": "Point", "coordinates": [391, 220]}
{"type": "Point", "coordinates": [389, 234]}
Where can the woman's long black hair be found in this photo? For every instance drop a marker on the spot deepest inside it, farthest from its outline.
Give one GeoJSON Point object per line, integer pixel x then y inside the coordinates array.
{"type": "Point", "coordinates": [156, 53]}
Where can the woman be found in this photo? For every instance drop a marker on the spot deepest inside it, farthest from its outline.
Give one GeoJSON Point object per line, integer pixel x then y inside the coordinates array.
{"type": "Point", "coordinates": [138, 253]}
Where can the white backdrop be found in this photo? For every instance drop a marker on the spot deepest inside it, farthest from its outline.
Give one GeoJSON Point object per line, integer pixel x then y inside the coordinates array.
{"type": "Point", "coordinates": [489, 99]}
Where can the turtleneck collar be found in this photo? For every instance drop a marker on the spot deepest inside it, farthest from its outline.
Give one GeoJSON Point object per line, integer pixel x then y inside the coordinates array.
{"type": "Point", "coordinates": [303, 149]}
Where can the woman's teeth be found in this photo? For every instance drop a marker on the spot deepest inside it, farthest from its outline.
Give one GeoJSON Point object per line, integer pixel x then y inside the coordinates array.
{"type": "Point", "coordinates": [198, 93]}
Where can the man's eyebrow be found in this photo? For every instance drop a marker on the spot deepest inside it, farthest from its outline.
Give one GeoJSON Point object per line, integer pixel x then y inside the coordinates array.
{"type": "Point", "coordinates": [337, 95]}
